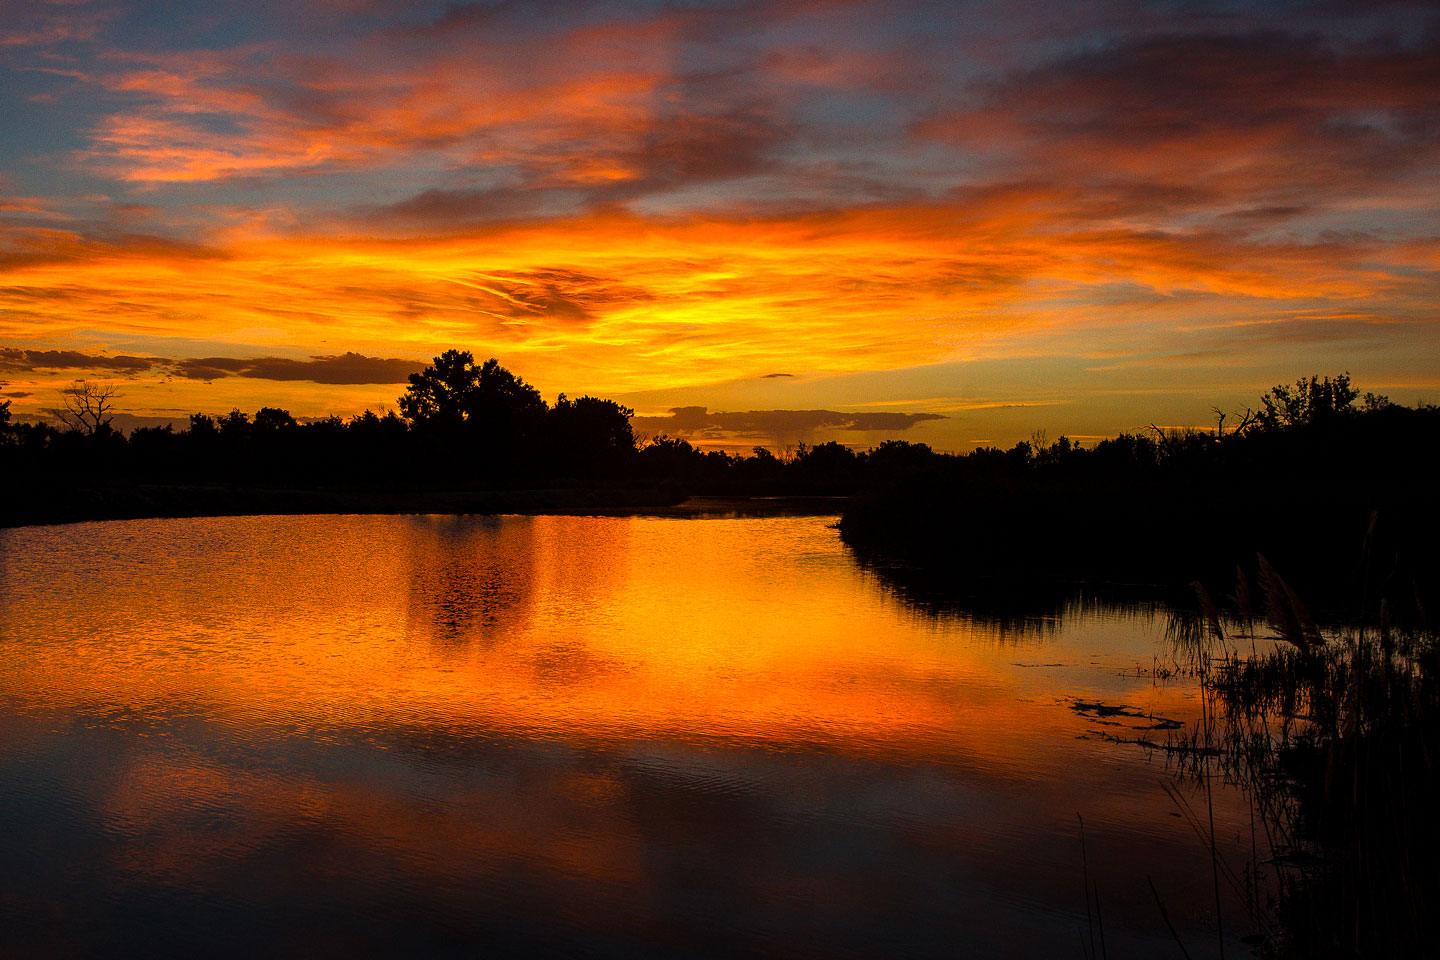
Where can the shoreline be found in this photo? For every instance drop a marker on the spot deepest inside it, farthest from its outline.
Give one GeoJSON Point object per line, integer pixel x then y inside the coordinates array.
{"type": "Point", "coordinates": [163, 501]}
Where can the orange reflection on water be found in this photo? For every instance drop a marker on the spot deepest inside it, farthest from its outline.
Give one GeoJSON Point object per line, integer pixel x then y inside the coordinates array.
{"type": "Point", "coordinates": [616, 731]}
{"type": "Point", "coordinates": [549, 625]}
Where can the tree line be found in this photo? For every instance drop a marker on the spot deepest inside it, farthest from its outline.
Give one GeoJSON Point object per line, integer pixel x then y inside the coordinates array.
{"type": "Point", "coordinates": [1298, 476]}
{"type": "Point", "coordinates": [465, 425]}
{"type": "Point", "coordinates": [460, 425]}
{"type": "Point", "coordinates": [1336, 490]}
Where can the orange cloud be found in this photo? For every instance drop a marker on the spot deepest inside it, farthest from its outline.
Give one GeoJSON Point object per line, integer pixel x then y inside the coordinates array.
{"type": "Point", "coordinates": [615, 302]}
{"type": "Point", "coordinates": [621, 199]}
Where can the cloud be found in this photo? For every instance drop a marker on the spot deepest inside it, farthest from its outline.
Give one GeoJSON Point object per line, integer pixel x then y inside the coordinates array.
{"type": "Point", "coordinates": [1269, 122]}
{"type": "Point", "coordinates": [563, 104]}
{"type": "Point", "coordinates": [208, 368]}
{"type": "Point", "coordinates": [28, 361]}
{"type": "Point", "coordinates": [596, 164]}
{"type": "Point", "coordinates": [619, 302]}
{"type": "Point", "coordinates": [640, 197]}
{"type": "Point", "coordinates": [13, 205]}
{"type": "Point", "coordinates": [41, 25]}
{"type": "Point", "coordinates": [55, 240]}
{"type": "Point", "coordinates": [688, 421]}
{"type": "Point", "coordinates": [557, 294]}
{"type": "Point", "coordinates": [348, 368]}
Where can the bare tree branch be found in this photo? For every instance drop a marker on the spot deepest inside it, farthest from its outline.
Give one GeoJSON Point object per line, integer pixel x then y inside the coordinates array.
{"type": "Point", "coordinates": [89, 407]}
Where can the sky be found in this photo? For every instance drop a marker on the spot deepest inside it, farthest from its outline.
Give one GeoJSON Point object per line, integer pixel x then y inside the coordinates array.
{"type": "Point", "coordinates": [754, 221]}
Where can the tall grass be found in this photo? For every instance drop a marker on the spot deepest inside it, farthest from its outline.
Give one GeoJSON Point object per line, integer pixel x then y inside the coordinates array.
{"type": "Point", "coordinates": [1332, 737]}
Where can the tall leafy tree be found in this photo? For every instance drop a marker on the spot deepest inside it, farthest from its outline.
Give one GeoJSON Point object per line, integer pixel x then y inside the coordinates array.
{"type": "Point", "coordinates": [438, 394]}
{"type": "Point", "coordinates": [482, 418]}
{"type": "Point", "coordinates": [453, 390]}
{"type": "Point", "coordinates": [589, 436]}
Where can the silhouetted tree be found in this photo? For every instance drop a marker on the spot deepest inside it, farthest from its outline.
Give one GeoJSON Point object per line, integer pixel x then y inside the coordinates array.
{"type": "Point", "coordinates": [235, 428]}
{"type": "Point", "coordinates": [203, 427]}
{"type": "Point", "coordinates": [830, 467]}
{"type": "Point", "coordinates": [368, 428]}
{"type": "Point", "coordinates": [671, 458]}
{"type": "Point", "coordinates": [270, 420]}
{"type": "Point", "coordinates": [501, 398]}
{"type": "Point", "coordinates": [440, 393]}
{"type": "Point", "coordinates": [88, 408]}
{"type": "Point", "coordinates": [154, 451]}
{"type": "Point", "coordinates": [478, 420]}
{"type": "Point", "coordinates": [760, 472]}
{"type": "Point", "coordinates": [1311, 402]}
{"type": "Point", "coordinates": [589, 436]}
{"type": "Point", "coordinates": [453, 390]}
{"type": "Point", "coordinates": [896, 460]}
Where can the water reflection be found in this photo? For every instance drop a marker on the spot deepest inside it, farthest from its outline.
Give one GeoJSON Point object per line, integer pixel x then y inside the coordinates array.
{"type": "Point", "coordinates": [1011, 609]}
{"type": "Point", "coordinates": [472, 579]}
{"type": "Point", "coordinates": [622, 735]}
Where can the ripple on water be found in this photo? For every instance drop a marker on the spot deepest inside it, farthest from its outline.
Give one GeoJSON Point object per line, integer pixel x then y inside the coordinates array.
{"type": "Point", "coordinates": [631, 736]}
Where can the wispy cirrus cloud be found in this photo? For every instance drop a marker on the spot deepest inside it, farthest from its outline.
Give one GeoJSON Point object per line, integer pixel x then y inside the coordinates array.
{"type": "Point", "coordinates": [45, 23]}
{"type": "Point", "coordinates": [579, 105]}
{"type": "Point", "coordinates": [623, 302]}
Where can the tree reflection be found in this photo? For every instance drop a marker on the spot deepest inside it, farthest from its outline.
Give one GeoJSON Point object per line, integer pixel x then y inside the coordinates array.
{"type": "Point", "coordinates": [472, 578]}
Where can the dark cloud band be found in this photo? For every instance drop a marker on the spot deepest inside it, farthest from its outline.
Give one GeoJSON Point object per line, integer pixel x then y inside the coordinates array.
{"type": "Point", "coordinates": [26, 361]}
{"type": "Point", "coordinates": [700, 420]}
{"type": "Point", "coordinates": [347, 368]}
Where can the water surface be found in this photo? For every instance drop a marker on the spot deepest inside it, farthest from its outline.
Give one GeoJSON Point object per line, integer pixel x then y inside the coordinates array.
{"type": "Point", "coordinates": [610, 736]}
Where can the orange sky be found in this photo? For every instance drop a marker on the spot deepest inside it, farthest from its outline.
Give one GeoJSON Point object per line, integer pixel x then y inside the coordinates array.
{"type": "Point", "coordinates": [1014, 219]}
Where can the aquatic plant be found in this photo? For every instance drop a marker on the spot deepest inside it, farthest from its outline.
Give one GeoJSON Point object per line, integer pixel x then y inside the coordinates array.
{"type": "Point", "coordinates": [1331, 736]}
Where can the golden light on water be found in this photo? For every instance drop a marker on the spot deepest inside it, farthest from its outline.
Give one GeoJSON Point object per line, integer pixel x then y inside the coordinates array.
{"type": "Point", "coordinates": [568, 718]}
{"type": "Point", "coordinates": [542, 627]}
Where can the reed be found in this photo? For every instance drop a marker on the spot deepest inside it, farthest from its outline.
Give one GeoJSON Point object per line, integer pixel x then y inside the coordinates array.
{"type": "Point", "coordinates": [1331, 736]}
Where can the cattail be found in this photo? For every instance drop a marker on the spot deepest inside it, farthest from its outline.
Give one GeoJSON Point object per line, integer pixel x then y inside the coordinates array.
{"type": "Point", "coordinates": [1242, 599]}
{"type": "Point", "coordinates": [1280, 604]}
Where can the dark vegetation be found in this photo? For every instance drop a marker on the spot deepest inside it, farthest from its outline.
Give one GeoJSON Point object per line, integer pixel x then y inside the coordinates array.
{"type": "Point", "coordinates": [467, 438]}
{"type": "Point", "coordinates": [1290, 480]}
{"type": "Point", "coordinates": [1301, 481]}
{"type": "Point", "coordinates": [1319, 671]}
{"type": "Point", "coordinates": [1332, 736]}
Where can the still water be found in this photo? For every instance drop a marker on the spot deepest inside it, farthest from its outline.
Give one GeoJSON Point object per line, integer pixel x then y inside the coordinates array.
{"type": "Point", "coordinates": [389, 735]}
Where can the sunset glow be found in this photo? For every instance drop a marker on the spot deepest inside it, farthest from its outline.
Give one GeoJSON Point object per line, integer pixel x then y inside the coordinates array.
{"type": "Point", "coordinates": [1010, 219]}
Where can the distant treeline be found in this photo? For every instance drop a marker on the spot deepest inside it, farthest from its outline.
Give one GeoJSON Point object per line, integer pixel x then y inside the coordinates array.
{"type": "Point", "coordinates": [1336, 491]}
{"type": "Point", "coordinates": [460, 426]}
{"type": "Point", "coordinates": [1299, 478]}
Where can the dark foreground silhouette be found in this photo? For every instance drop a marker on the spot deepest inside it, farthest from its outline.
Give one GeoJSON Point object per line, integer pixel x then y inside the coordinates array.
{"type": "Point", "coordinates": [467, 438]}
{"type": "Point", "coordinates": [1331, 737]}
{"type": "Point", "coordinates": [1337, 496]}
